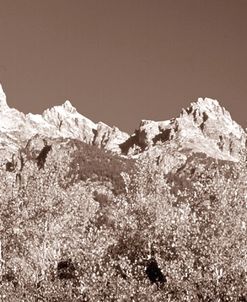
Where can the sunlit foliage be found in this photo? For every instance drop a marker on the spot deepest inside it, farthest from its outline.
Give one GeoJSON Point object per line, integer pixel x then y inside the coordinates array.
{"type": "Point", "coordinates": [69, 235]}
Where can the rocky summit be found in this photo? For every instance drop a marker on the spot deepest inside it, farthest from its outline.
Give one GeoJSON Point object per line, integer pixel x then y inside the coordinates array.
{"type": "Point", "coordinates": [204, 127]}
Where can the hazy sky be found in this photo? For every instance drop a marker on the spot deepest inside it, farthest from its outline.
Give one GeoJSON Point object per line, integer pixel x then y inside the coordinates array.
{"type": "Point", "coordinates": [121, 61]}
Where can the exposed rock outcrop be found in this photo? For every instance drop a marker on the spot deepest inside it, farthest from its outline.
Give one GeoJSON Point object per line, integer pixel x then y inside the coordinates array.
{"type": "Point", "coordinates": [109, 138]}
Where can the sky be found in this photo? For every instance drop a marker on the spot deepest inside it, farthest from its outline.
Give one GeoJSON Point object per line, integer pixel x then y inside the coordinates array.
{"type": "Point", "coordinates": [121, 61]}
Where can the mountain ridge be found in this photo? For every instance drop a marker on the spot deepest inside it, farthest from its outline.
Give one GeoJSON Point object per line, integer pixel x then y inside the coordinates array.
{"type": "Point", "coordinates": [59, 121]}
{"type": "Point", "coordinates": [204, 126]}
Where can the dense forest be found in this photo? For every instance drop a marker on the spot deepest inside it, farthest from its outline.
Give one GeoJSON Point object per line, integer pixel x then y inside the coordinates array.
{"type": "Point", "coordinates": [92, 226]}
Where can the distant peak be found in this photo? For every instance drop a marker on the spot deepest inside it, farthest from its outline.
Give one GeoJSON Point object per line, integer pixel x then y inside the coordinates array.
{"type": "Point", "coordinates": [3, 102]}
{"type": "Point", "coordinates": [207, 103]}
{"type": "Point", "coordinates": [68, 106]}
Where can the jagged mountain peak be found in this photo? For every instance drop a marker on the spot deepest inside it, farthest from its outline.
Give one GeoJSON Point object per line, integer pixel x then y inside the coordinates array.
{"type": "Point", "coordinates": [207, 103]}
{"type": "Point", "coordinates": [209, 116]}
{"type": "Point", "coordinates": [65, 108]}
{"type": "Point", "coordinates": [68, 106]}
{"type": "Point", "coordinates": [205, 126]}
{"type": "Point", "coordinates": [208, 106]}
{"type": "Point", "coordinates": [67, 118]}
{"type": "Point", "coordinates": [3, 100]}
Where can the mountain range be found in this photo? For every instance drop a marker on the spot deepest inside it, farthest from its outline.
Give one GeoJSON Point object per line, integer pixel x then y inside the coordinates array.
{"type": "Point", "coordinates": [203, 127]}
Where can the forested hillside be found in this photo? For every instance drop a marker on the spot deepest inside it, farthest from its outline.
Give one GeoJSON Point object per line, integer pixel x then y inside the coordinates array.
{"type": "Point", "coordinates": [90, 226]}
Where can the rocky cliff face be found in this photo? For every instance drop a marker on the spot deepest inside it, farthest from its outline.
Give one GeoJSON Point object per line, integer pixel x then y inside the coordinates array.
{"type": "Point", "coordinates": [203, 127]}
